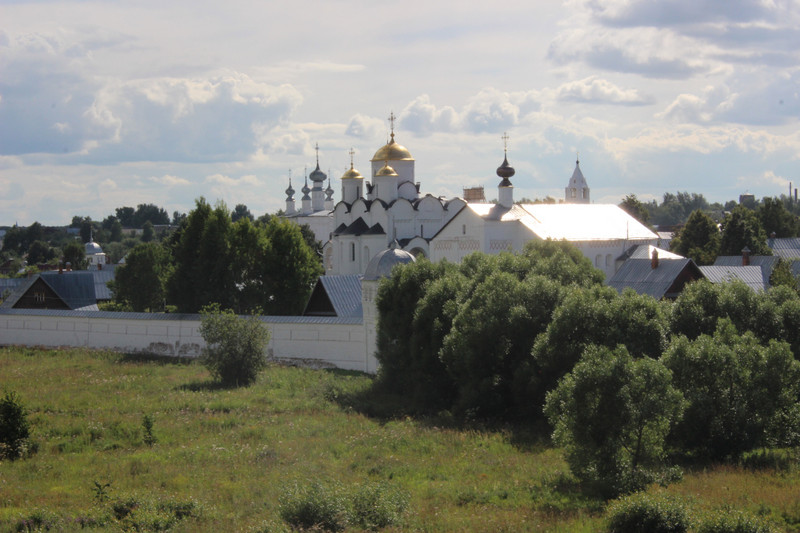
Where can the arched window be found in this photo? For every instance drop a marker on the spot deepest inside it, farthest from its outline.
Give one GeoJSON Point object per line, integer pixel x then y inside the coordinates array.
{"type": "Point", "coordinates": [574, 192]}
{"type": "Point", "coordinates": [609, 260]}
{"type": "Point", "coordinates": [598, 260]}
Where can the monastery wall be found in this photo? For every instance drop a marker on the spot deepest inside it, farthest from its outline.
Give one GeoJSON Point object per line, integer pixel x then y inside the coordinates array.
{"type": "Point", "coordinates": [318, 341]}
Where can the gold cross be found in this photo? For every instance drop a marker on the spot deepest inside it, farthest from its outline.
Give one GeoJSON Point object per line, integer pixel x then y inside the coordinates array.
{"type": "Point", "coordinates": [505, 141]}
{"type": "Point", "coordinates": [352, 153]}
{"type": "Point", "coordinates": [391, 121]}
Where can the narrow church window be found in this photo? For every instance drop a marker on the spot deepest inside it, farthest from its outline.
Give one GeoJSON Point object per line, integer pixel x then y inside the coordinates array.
{"type": "Point", "coordinates": [352, 251]}
{"type": "Point", "coordinates": [597, 260]}
{"type": "Point", "coordinates": [463, 229]}
{"type": "Point", "coordinates": [608, 260]}
{"type": "Point", "coordinates": [584, 194]}
{"type": "Point", "coordinates": [422, 230]}
{"type": "Point", "coordinates": [574, 192]}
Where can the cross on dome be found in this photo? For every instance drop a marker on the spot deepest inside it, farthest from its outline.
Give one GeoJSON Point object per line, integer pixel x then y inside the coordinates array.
{"type": "Point", "coordinates": [391, 121]}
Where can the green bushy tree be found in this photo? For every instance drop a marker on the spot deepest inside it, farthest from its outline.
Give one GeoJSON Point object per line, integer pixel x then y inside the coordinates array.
{"type": "Point", "coordinates": [699, 239]}
{"type": "Point", "coordinates": [741, 394]}
{"type": "Point", "coordinates": [611, 414]}
{"type": "Point", "coordinates": [14, 427]}
{"type": "Point", "coordinates": [236, 346]}
{"type": "Point", "coordinates": [140, 282]}
{"type": "Point", "coordinates": [741, 229]}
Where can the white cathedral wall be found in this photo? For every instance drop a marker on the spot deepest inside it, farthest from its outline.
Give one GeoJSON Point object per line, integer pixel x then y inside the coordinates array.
{"type": "Point", "coordinates": [340, 345]}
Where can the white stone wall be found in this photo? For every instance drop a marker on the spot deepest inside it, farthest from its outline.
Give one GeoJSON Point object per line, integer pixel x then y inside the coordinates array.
{"type": "Point", "coordinates": [322, 341]}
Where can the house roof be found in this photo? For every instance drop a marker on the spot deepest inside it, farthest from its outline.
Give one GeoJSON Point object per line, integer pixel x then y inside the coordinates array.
{"type": "Point", "coordinates": [572, 222]}
{"type": "Point", "coordinates": [75, 289]}
{"type": "Point", "coordinates": [101, 278]}
{"type": "Point", "coordinates": [765, 262]}
{"type": "Point", "coordinates": [659, 282]}
{"type": "Point", "coordinates": [645, 251]}
{"type": "Point", "coordinates": [338, 296]}
{"type": "Point", "coordinates": [787, 248]}
{"type": "Point", "coordinates": [752, 276]}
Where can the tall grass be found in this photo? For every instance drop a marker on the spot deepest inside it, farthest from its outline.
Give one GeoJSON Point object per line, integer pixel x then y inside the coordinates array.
{"type": "Point", "coordinates": [222, 459]}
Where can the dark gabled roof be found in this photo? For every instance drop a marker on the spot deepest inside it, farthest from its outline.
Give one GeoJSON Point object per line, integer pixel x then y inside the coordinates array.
{"type": "Point", "coordinates": [377, 229]}
{"type": "Point", "coordinates": [752, 276]}
{"type": "Point", "coordinates": [786, 247]}
{"type": "Point", "coordinates": [358, 227]}
{"type": "Point", "coordinates": [338, 296]}
{"type": "Point", "coordinates": [74, 289]}
{"type": "Point", "coordinates": [664, 281]}
{"type": "Point", "coordinates": [340, 228]}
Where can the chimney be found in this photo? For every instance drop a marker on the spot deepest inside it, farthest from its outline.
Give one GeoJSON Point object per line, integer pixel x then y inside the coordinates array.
{"type": "Point", "coordinates": [69, 266]}
{"type": "Point", "coordinates": [654, 259]}
{"type": "Point", "coordinates": [99, 266]}
{"type": "Point", "coordinates": [745, 256]}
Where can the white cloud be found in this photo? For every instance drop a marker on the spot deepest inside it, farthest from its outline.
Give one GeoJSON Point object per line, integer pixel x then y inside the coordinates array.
{"type": "Point", "coordinates": [598, 90]}
{"type": "Point", "coordinates": [170, 180]}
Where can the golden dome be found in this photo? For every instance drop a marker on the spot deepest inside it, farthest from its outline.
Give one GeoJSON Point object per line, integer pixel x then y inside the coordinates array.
{"type": "Point", "coordinates": [393, 152]}
{"type": "Point", "coordinates": [386, 171]}
{"type": "Point", "coordinates": [352, 173]}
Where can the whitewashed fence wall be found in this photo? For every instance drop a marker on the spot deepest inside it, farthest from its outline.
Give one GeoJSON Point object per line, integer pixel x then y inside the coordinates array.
{"type": "Point", "coordinates": [320, 341]}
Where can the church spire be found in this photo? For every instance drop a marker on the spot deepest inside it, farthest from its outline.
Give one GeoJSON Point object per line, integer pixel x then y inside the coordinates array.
{"type": "Point", "coordinates": [505, 191]}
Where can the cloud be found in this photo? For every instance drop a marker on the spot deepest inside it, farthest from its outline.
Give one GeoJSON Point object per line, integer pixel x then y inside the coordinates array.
{"type": "Point", "coordinates": [599, 91]}
{"type": "Point", "coordinates": [422, 117]}
{"type": "Point", "coordinates": [628, 13]}
{"type": "Point", "coordinates": [365, 127]}
{"type": "Point", "coordinates": [170, 180]}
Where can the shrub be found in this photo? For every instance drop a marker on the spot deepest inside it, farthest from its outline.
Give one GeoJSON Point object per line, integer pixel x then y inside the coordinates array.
{"type": "Point", "coordinates": [315, 506]}
{"type": "Point", "coordinates": [378, 505]}
{"type": "Point", "coordinates": [647, 512]}
{"type": "Point", "coordinates": [727, 521]}
{"type": "Point", "coordinates": [235, 346]}
{"type": "Point", "coordinates": [14, 430]}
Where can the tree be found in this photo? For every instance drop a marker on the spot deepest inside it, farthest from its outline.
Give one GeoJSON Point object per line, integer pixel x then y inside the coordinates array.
{"type": "Point", "coordinates": [698, 239]}
{"type": "Point", "coordinates": [631, 205]}
{"type": "Point", "coordinates": [612, 414]}
{"type": "Point", "coordinates": [236, 346]}
{"type": "Point", "coordinates": [14, 428]}
{"type": "Point", "coordinates": [40, 252]}
{"type": "Point", "coordinates": [75, 254]}
{"type": "Point", "coordinates": [597, 316]}
{"type": "Point", "coordinates": [740, 393]}
{"type": "Point", "coordinates": [125, 216]}
{"type": "Point", "coordinates": [86, 230]}
{"type": "Point", "coordinates": [742, 229]}
{"type": "Point", "coordinates": [140, 282]}
{"type": "Point", "coordinates": [776, 219]}
{"type": "Point", "coordinates": [116, 231]}
{"type": "Point", "coordinates": [241, 211]}
{"type": "Point", "coordinates": [782, 276]}
{"type": "Point", "coordinates": [147, 232]}
{"type": "Point", "coordinates": [149, 213]}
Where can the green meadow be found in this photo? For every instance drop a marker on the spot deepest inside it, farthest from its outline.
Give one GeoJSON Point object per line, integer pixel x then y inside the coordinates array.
{"type": "Point", "coordinates": [218, 459]}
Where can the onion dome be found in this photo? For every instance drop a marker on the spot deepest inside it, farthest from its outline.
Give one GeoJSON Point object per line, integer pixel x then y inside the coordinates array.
{"type": "Point", "coordinates": [317, 176]}
{"type": "Point", "coordinates": [381, 265]}
{"type": "Point", "coordinates": [329, 191]}
{"type": "Point", "coordinates": [351, 174]}
{"type": "Point", "coordinates": [290, 191]}
{"type": "Point", "coordinates": [305, 190]}
{"type": "Point", "coordinates": [392, 151]}
{"type": "Point", "coordinates": [386, 170]}
{"type": "Point", "coordinates": [505, 171]}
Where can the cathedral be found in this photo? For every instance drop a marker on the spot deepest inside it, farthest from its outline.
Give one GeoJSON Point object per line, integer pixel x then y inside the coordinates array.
{"type": "Point", "coordinates": [372, 215]}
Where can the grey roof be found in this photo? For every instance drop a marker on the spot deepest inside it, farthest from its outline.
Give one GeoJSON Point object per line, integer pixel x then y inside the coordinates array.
{"type": "Point", "coordinates": [788, 247]}
{"type": "Point", "coordinates": [639, 275]}
{"type": "Point", "coordinates": [358, 227]}
{"type": "Point", "coordinates": [766, 262]}
{"type": "Point", "coordinates": [338, 295]}
{"type": "Point", "coordinates": [101, 278]}
{"type": "Point", "coordinates": [177, 316]}
{"type": "Point", "coordinates": [381, 265]}
{"type": "Point", "coordinates": [645, 251]}
{"type": "Point", "coordinates": [752, 276]}
{"type": "Point", "coordinates": [76, 289]}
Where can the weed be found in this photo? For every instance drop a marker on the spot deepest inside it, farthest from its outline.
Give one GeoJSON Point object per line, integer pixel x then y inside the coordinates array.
{"type": "Point", "coordinates": [147, 426]}
{"type": "Point", "coordinates": [731, 521]}
{"type": "Point", "coordinates": [315, 506]}
{"type": "Point", "coordinates": [101, 491]}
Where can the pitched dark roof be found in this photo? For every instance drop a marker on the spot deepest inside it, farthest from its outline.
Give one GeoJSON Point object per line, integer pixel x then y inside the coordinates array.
{"type": "Point", "coordinates": [68, 290]}
{"type": "Point", "coordinates": [665, 281]}
{"type": "Point", "coordinates": [377, 229]}
{"type": "Point", "coordinates": [338, 296]}
{"type": "Point", "coordinates": [358, 227]}
{"type": "Point", "coordinates": [101, 278]}
{"type": "Point", "coordinates": [766, 262]}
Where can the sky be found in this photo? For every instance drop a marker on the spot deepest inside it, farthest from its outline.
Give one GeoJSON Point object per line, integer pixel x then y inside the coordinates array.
{"type": "Point", "coordinates": [116, 103]}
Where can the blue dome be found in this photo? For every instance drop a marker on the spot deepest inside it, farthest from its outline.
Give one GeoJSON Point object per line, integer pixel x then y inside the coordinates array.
{"type": "Point", "coordinates": [382, 264]}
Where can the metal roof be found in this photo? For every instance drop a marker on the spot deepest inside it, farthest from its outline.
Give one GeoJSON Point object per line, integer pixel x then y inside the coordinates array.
{"type": "Point", "coordinates": [765, 262]}
{"type": "Point", "coordinates": [572, 222]}
{"type": "Point", "coordinates": [639, 275]}
{"type": "Point", "coordinates": [645, 251]}
{"type": "Point", "coordinates": [337, 295]}
{"type": "Point", "coordinates": [75, 289]}
{"type": "Point", "coordinates": [178, 316]}
{"type": "Point", "coordinates": [752, 276]}
{"type": "Point", "coordinates": [787, 247]}
{"type": "Point", "coordinates": [101, 278]}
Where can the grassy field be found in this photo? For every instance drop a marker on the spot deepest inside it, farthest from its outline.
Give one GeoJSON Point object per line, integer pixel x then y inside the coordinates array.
{"type": "Point", "coordinates": [226, 459]}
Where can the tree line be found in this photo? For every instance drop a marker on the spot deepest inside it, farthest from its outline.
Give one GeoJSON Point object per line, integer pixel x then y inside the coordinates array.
{"type": "Point", "coordinates": [249, 266]}
{"type": "Point", "coordinates": [623, 380]}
